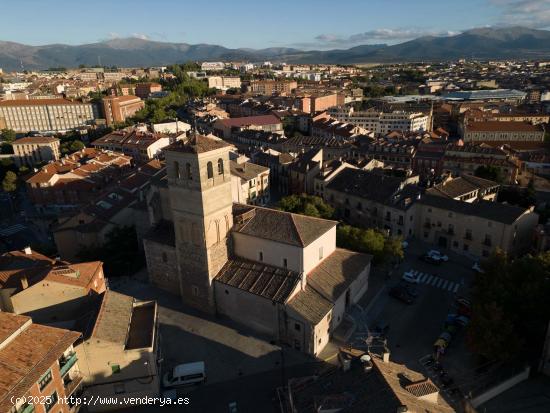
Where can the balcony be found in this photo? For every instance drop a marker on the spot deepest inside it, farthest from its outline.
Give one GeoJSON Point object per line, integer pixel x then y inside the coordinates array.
{"type": "Point", "coordinates": [72, 385]}
{"type": "Point", "coordinates": [65, 363]}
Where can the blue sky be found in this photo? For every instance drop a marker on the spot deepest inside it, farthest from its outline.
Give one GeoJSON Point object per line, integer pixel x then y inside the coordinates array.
{"type": "Point", "coordinates": [305, 24]}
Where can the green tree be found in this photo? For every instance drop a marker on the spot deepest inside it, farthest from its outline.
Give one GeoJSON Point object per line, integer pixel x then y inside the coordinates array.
{"type": "Point", "coordinates": [489, 172]}
{"type": "Point", "coordinates": [307, 205]}
{"type": "Point", "coordinates": [510, 308]}
{"type": "Point", "coordinates": [9, 183]}
{"type": "Point", "coordinates": [76, 145]}
{"type": "Point", "coordinates": [8, 135]}
{"type": "Point", "coordinates": [370, 241]}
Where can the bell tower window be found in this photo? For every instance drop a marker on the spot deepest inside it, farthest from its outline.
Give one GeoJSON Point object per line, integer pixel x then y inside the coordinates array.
{"type": "Point", "coordinates": [220, 166]}
{"type": "Point", "coordinates": [188, 173]}
{"type": "Point", "coordinates": [177, 171]}
{"type": "Point", "coordinates": [210, 170]}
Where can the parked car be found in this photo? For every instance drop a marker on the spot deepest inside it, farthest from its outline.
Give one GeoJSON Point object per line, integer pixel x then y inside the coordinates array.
{"type": "Point", "coordinates": [411, 276]}
{"type": "Point", "coordinates": [429, 259]}
{"type": "Point", "coordinates": [462, 320]}
{"type": "Point", "coordinates": [477, 268]}
{"type": "Point", "coordinates": [435, 254]}
{"type": "Point", "coordinates": [401, 295]}
{"type": "Point", "coordinates": [411, 290]}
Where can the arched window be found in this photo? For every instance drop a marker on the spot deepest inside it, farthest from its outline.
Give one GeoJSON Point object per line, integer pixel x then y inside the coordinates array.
{"type": "Point", "coordinates": [210, 170]}
{"type": "Point", "coordinates": [177, 171]}
{"type": "Point", "coordinates": [220, 166]}
{"type": "Point", "coordinates": [188, 173]}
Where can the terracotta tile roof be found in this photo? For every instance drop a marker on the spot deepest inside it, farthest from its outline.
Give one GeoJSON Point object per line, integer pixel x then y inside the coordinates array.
{"type": "Point", "coordinates": [113, 319]}
{"type": "Point", "coordinates": [311, 305]}
{"type": "Point", "coordinates": [332, 276]}
{"type": "Point", "coordinates": [25, 358]}
{"type": "Point", "coordinates": [38, 102]}
{"type": "Point", "coordinates": [279, 226]}
{"type": "Point", "coordinates": [35, 140]}
{"type": "Point", "coordinates": [421, 388]}
{"type": "Point", "coordinates": [258, 278]}
{"type": "Point", "coordinates": [197, 144]}
{"type": "Point", "coordinates": [502, 126]}
{"type": "Point", "coordinates": [250, 120]}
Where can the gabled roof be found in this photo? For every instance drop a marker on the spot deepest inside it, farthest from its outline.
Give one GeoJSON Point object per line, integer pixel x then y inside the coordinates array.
{"type": "Point", "coordinates": [279, 226]}
{"type": "Point", "coordinates": [113, 320]}
{"type": "Point", "coordinates": [197, 144]}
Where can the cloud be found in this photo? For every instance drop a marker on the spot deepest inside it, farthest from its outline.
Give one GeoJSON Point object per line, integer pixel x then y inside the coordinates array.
{"type": "Point", "coordinates": [327, 40]}
{"type": "Point", "coordinates": [528, 13]}
{"type": "Point", "coordinates": [140, 36]}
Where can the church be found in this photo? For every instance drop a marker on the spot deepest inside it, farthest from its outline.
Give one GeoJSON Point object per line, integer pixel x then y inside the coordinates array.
{"type": "Point", "coordinates": [278, 273]}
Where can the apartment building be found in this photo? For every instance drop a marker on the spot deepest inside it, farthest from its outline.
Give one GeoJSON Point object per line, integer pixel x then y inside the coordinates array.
{"type": "Point", "coordinates": [224, 82]}
{"type": "Point", "coordinates": [206, 66]}
{"type": "Point", "coordinates": [382, 123]}
{"type": "Point", "coordinates": [249, 183]}
{"type": "Point", "coordinates": [33, 150]}
{"type": "Point", "coordinates": [47, 290]}
{"type": "Point", "coordinates": [144, 90]}
{"type": "Point", "coordinates": [39, 362]}
{"type": "Point", "coordinates": [398, 155]}
{"type": "Point", "coordinates": [119, 351]}
{"type": "Point", "coordinates": [518, 135]}
{"type": "Point", "coordinates": [319, 102]}
{"type": "Point", "coordinates": [329, 128]}
{"type": "Point", "coordinates": [141, 146]}
{"type": "Point", "coordinates": [46, 115]}
{"type": "Point", "coordinates": [117, 109]}
{"type": "Point", "coordinates": [76, 179]}
{"type": "Point", "coordinates": [272, 87]}
{"type": "Point", "coordinates": [267, 123]}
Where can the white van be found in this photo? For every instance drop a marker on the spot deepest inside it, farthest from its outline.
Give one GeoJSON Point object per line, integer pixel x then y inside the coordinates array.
{"type": "Point", "coordinates": [185, 374]}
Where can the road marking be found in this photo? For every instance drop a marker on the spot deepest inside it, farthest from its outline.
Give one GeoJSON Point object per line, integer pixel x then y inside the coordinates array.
{"type": "Point", "coordinates": [451, 286]}
{"type": "Point", "coordinates": [14, 229]}
{"type": "Point", "coordinates": [456, 288]}
{"type": "Point", "coordinates": [430, 278]}
{"type": "Point", "coordinates": [423, 277]}
{"type": "Point", "coordinates": [434, 281]}
{"type": "Point", "coordinates": [444, 285]}
{"type": "Point", "coordinates": [440, 283]}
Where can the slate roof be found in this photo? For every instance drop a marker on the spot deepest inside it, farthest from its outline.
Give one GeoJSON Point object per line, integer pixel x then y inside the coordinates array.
{"type": "Point", "coordinates": [332, 276]}
{"type": "Point", "coordinates": [279, 226]}
{"type": "Point", "coordinates": [462, 185]}
{"type": "Point", "coordinates": [28, 356]}
{"type": "Point", "coordinates": [114, 318]}
{"type": "Point", "coordinates": [267, 281]}
{"type": "Point", "coordinates": [373, 186]}
{"type": "Point", "coordinates": [311, 305]}
{"type": "Point", "coordinates": [197, 144]}
{"type": "Point", "coordinates": [493, 211]}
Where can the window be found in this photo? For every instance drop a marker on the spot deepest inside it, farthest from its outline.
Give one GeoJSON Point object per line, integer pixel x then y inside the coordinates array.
{"type": "Point", "coordinates": [195, 290]}
{"type": "Point", "coordinates": [297, 327]}
{"type": "Point", "coordinates": [50, 402]}
{"type": "Point", "coordinates": [177, 169]}
{"type": "Point", "coordinates": [468, 234]}
{"type": "Point", "coordinates": [465, 247]}
{"type": "Point", "coordinates": [188, 173]}
{"type": "Point", "coordinates": [210, 170]}
{"type": "Point", "coordinates": [261, 256]}
{"type": "Point", "coordinates": [220, 166]}
{"type": "Point", "coordinates": [115, 368]}
{"type": "Point", "coordinates": [45, 379]}
{"type": "Point", "coordinates": [320, 253]}
{"type": "Point", "coordinates": [285, 263]}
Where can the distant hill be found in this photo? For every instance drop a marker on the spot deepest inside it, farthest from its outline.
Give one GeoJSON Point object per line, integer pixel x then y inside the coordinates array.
{"type": "Point", "coordinates": [484, 43]}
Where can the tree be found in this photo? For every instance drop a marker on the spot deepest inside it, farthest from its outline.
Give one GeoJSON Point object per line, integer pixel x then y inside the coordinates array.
{"type": "Point", "coordinates": [510, 308]}
{"type": "Point", "coordinates": [8, 135]}
{"type": "Point", "coordinates": [9, 183]}
{"type": "Point", "coordinates": [307, 205]}
{"type": "Point", "coordinates": [489, 172]}
{"type": "Point", "coordinates": [371, 241]}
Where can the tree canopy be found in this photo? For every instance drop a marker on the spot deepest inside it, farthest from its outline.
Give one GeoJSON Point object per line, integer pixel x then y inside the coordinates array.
{"type": "Point", "coordinates": [9, 183]}
{"type": "Point", "coordinates": [510, 308]}
{"type": "Point", "coordinates": [370, 241]}
{"type": "Point", "coordinates": [8, 135]}
{"type": "Point", "coordinates": [489, 172]}
{"type": "Point", "coordinates": [308, 205]}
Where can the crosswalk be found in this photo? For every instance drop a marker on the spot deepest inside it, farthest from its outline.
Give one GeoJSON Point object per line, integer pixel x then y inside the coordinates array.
{"type": "Point", "coordinates": [14, 229]}
{"type": "Point", "coordinates": [437, 282]}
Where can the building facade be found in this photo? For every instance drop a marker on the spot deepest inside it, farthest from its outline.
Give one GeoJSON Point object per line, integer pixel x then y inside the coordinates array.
{"type": "Point", "coordinates": [117, 109]}
{"type": "Point", "coordinates": [33, 150]}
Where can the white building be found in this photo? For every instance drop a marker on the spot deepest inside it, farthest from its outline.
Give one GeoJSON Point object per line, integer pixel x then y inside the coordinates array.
{"type": "Point", "coordinates": [382, 122]}
{"type": "Point", "coordinates": [224, 82]}
{"type": "Point", "coordinates": [212, 66]}
{"type": "Point", "coordinates": [171, 127]}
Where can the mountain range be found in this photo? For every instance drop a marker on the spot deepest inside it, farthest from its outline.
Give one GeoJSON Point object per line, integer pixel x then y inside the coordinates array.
{"type": "Point", "coordinates": [483, 43]}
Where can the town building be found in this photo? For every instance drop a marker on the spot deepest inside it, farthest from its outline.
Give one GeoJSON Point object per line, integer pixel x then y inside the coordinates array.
{"type": "Point", "coordinates": [466, 188]}
{"type": "Point", "coordinates": [47, 290]}
{"type": "Point", "coordinates": [329, 128]}
{"type": "Point", "coordinates": [37, 362]}
{"type": "Point", "coordinates": [224, 82]}
{"type": "Point", "coordinates": [267, 123]}
{"type": "Point", "coordinates": [34, 150]}
{"type": "Point", "coordinates": [144, 90]}
{"type": "Point", "coordinates": [117, 109]}
{"type": "Point", "coordinates": [249, 183]}
{"type": "Point", "coordinates": [119, 351]}
{"type": "Point", "coordinates": [382, 123]}
{"type": "Point", "coordinates": [272, 87]}
{"type": "Point", "coordinates": [46, 115]}
{"type": "Point", "coordinates": [275, 272]}
{"type": "Point", "coordinates": [313, 103]}
{"type": "Point", "coordinates": [518, 135]}
{"type": "Point", "coordinates": [206, 66]}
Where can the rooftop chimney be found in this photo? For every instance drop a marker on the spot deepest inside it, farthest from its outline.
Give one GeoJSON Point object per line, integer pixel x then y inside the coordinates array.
{"type": "Point", "coordinates": [386, 356]}
{"type": "Point", "coordinates": [24, 282]}
{"type": "Point", "coordinates": [28, 250]}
